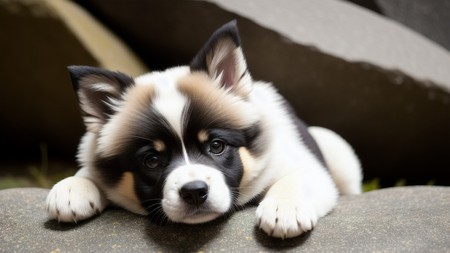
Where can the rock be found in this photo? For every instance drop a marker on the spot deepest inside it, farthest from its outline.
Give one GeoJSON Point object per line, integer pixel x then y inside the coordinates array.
{"type": "Point", "coordinates": [404, 219]}
{"type": "Point", "coordinates": [39, 39]}
{"type": "Point", "coordinates": [430, 18]}
{"type": "Point", "coordinates": [383, 87]}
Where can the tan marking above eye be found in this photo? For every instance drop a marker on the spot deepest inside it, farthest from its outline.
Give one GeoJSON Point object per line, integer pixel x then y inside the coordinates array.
{"type": "Point", "coordinates": [203, 136]}
{"type": "Point", "coordinates": [159, 145]}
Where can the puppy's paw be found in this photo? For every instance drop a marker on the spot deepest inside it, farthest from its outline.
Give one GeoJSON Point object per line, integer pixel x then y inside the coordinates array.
{"type": "Point", "coordinates": [74, 199]}
{"type": "Point", "coordinates": [285, 218]}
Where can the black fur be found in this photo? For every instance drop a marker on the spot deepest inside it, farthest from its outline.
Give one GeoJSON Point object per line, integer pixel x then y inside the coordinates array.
{"type": "Point", "coordinates": [302, 129]}
{"type": "Point", "coordinates": [77, 73]}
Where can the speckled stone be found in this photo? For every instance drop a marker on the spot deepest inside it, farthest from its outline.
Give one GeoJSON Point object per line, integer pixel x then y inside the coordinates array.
{"type": "Point", "coordinates": [406, 219]}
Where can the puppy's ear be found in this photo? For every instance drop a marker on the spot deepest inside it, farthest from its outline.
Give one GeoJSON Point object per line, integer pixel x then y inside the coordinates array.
{"type": "Point", "coordinates": [222, 58]}
{"type": "Point", "coordinates": [97, 91]}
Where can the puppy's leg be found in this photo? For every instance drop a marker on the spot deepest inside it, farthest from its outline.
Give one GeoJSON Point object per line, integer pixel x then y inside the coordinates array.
{"type": "Point", "coordinates": [342, 161]}
{"type": "Point", "coordinates": [75, 198]}
{"type": "Point", "coordinates": [294, 203]}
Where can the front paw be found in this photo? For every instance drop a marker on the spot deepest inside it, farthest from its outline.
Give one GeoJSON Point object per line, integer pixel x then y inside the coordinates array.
{"type": "Point", "coordinates": [285, 218]}
{"type": "Point", "coordinates": [74, 199]}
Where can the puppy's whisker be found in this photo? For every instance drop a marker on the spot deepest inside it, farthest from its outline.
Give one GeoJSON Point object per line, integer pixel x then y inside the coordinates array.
{"type": "Point", "coordinates": [158, 215]}
{"type": "Point", "coordinates": [151, 206]}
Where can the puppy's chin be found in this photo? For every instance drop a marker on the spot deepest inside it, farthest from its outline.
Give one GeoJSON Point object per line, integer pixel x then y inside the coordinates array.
{"type": "Point", "coordinates": [200, 217]}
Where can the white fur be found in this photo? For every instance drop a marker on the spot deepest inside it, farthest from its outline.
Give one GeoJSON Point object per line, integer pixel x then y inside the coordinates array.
{"type": "Point", "coordinates": [168, 100]}
{"type": "Point", "coordinates": [219, 196]}
{"type": "Point", "coordinates": [170, 103]}
{"type": "Point", "coordinates": [300, 189]}
{"type": "Point", "coordinates": [75, 198]}
{"type": "Point", "coordinates": [341, 160]}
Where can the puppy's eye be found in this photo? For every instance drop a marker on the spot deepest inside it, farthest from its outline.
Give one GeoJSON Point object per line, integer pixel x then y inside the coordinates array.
{"type": "Point", "coordinates": [152, 161]}
{"type": "Point", "coordinates": [217, 147]}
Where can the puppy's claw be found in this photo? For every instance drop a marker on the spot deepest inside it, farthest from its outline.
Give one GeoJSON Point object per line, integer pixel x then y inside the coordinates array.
{"type": "Point", "coordinates": [300, 226]}
{"type": "Point", "coordinates": [74, 217]}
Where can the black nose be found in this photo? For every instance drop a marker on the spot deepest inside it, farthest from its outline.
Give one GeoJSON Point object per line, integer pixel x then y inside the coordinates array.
{"type": "Point", "coordinates": [194, 193]}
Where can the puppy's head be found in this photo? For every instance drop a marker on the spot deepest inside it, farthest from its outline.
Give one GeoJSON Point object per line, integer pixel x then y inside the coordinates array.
{"type": "Point", "coordinates": [174, 144]}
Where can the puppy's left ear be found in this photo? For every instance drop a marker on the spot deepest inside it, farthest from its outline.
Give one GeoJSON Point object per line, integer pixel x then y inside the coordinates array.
{"type": "Point", "coordinates": [222, 58]}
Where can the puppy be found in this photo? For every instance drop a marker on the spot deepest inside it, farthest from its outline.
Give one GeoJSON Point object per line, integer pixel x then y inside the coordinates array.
{"type": "Point", "coordinates": [192, 143]}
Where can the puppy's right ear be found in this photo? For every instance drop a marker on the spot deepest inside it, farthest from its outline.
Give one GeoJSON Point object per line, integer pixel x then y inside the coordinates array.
{"type": "Point", "coordinates": [98, 90]}
{"type": "Point", "coordinates": [221, 57]}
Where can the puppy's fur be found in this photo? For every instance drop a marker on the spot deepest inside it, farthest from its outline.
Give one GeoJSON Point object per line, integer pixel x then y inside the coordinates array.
{"type": "Point", "coordinates": [192, 143]}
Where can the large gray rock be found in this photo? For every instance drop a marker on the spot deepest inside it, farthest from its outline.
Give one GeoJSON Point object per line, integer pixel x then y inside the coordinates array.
{"type": "Point", "coordinates": [430, 18]}
{"type": "Point", "coordinates": [409, 219]}
{"type": "Point", "coordinates": [382, 86]}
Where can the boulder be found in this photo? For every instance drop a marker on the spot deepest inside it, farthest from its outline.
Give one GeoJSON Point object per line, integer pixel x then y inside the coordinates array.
{"type": "Point", "coordinates": [404, 219]}
{"type": "Point", "coordinates": [430, 18]}
{"type": "Point", "coordinates": [382, 86]}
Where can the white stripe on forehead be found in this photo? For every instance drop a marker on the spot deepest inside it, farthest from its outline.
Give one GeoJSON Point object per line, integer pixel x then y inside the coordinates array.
{"type": "Point", "coordinates": [168, 101]}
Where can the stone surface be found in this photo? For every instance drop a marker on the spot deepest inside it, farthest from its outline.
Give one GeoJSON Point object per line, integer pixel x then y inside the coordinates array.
{"type": "Point", "coordinates": [39, 39]}
{"type": "Point", "coordinates": [405, 219]}
{"type": "Point", "coordinates": [430, 18]}
{"type": "Point", "coordinates": [351, 33]}
{"type": "Point", "coordinates": [381, 86]}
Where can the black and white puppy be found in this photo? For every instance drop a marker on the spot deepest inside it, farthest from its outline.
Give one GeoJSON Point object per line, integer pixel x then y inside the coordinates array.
{"type": "Point", "coordinates": [192, 143]}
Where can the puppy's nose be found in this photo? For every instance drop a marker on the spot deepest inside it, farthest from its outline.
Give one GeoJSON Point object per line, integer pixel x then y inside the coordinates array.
{"type": "Point", "coordinates": [194, 193]}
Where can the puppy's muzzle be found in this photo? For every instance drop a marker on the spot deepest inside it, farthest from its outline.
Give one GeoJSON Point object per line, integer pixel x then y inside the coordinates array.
{"type": "Point", "coordinates": [194, 193]}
